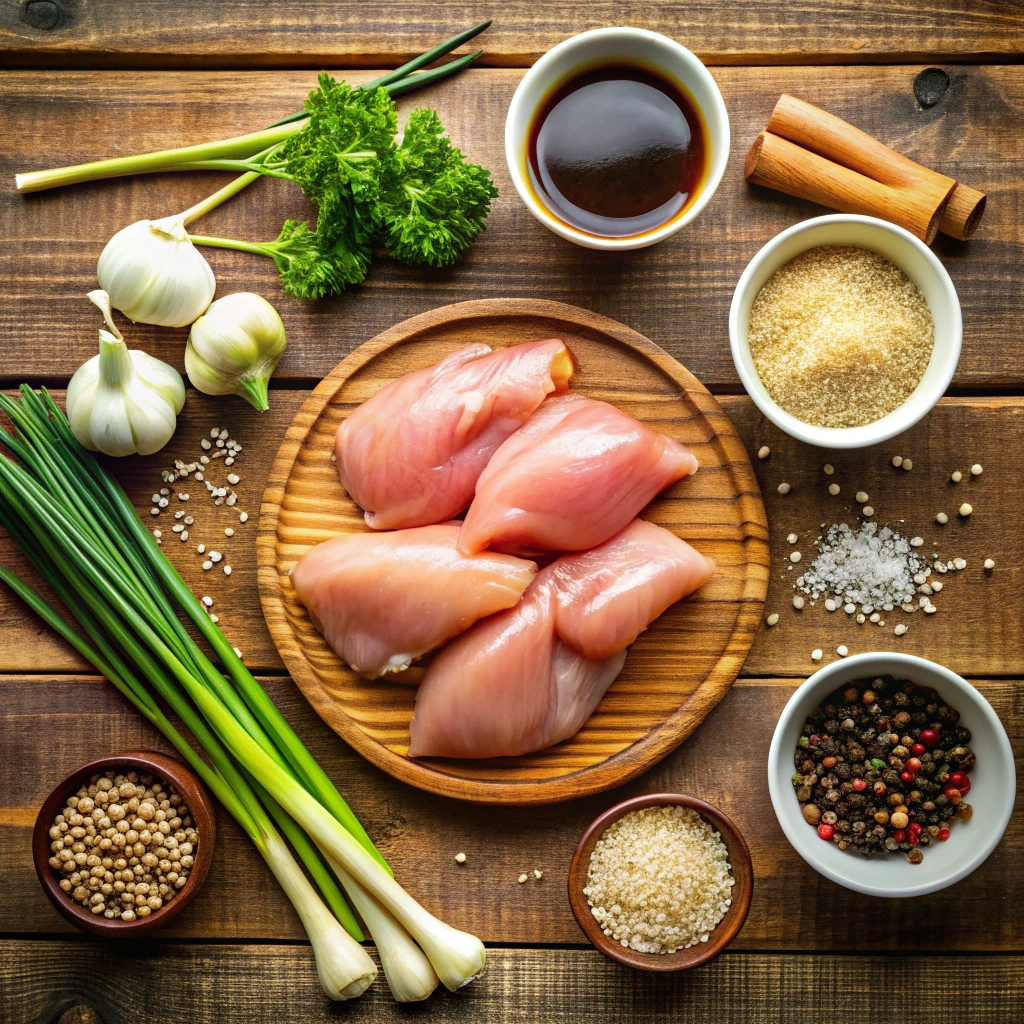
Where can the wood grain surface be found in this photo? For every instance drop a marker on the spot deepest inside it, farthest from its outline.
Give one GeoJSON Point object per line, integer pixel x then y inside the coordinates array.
{"type": "Point", "coordinates": [255, 984]}
{"type": "Point", "coordinates": [675, 672]}
{"type": "Point", "coordinates": [958, 433]}
{"type": "Point", "coordinates": [50, 724]}
{"type": "Point", "coordinates": [303, 33]}
{"type": "Point", "coordinates": [677, 293]}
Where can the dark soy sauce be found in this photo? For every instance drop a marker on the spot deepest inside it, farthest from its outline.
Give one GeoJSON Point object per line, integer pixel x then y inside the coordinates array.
{"type": "Point", "coordinates": [617, 151]}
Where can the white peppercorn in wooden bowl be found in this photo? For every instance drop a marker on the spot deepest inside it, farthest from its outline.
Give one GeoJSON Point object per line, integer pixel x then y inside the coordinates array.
{"type": "Point", "coordinates": [911, 256]}
{"type": "Point", "coordinates": [167, 770]}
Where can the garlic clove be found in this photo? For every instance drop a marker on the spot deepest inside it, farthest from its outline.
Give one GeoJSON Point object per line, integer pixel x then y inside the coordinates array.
{"type": "Point", "coordinates": [120, 401]}
{"type": "Point", "coordinates": [234, 348]}
{"type": "Point", "coordinates": [155, 275]}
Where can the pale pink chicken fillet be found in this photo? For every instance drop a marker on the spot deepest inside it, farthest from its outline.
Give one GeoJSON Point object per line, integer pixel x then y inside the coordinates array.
{"type": "Point", "coordinates": [382, 600]}
{"type": "Point", "coordinates": [411, 454]}
{"type": "Point", "coordinates": [529, 677]}
{"type": "Point", "coordinates": [574, 475]}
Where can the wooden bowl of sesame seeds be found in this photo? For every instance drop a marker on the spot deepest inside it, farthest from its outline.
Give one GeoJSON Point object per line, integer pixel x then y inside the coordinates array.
{"type": "Point", "coordinates": [144, 762]}
{"type": "Point", "coordinates": [741, 868]}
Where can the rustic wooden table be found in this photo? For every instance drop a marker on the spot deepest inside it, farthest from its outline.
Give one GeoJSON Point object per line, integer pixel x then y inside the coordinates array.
{"type": "Point", "coordinates": [90, 78]}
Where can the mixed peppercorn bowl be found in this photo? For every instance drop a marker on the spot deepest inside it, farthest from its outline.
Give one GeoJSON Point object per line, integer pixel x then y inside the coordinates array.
{"type": "Point", "coordinates": [831, 831]}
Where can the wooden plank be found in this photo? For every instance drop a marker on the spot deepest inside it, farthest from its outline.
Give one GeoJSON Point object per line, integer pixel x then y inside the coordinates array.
{"type": "Point", "coordinates": [677, 293]}
{"type": "Point", "coordinates": [960, 432]}
{"type": "Point", "coordinates": [250, 985]}
{"type": "Point", "coordinates": [302, 33]}
{"type": "Point", "coordinates": [50, 725]}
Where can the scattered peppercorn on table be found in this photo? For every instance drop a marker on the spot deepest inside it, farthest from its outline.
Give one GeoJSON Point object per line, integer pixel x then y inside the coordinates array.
{"type": "Point", "coordinates": [90, 80]}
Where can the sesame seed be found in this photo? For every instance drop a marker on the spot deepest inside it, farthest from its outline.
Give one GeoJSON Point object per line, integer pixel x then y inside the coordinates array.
{"type": "Point", "coordinates": [828, 469]}
{"type": "Point", "coordinates": [900, 629]}
{"type": "Point", "coordinates": [792, 538]}
{"type": "Point", "coordinates": [538, 874]}
{"type": "Point", "coordinates": [233, 478]}
{"type": "Point", "coordinates": [907, 464]}
{"type": "Point", "coordinates": [956, 476]}
{"type": "Point", "coordinates": [861, 497]}
{"type": "Point", "coordinates": [941, 518]}
{"type": "Point", "coordinates": [916, 542]}
{"type": "Point", "coordinates": [207, 565]}
{"type": "Point", "coordinates": [989, 564]}
{"type": "Point", "coordinates": [763, 452]}
{"type": "Point", "coordinates": [208, 601]}
{"type": "Point", "coordinates": [842, 650]}
{"type": "Point", "coordinates": [798, 602]}
{"type": "Point", "coordinates": [227, 570]}
{"type": "Point", "coordinates": [243, 517]}
{"type": "Point", "coordinates": [205, 443]}
{"type": "Point", "coordinates": [833, 489]}
{"type": "Point", "coordinates": [849, 607]}
{"type": "Point", "coordinates": [228, 532]}
{"type": "Point", "coordinates": [460, 858]}
{"type": "Point", "coordinates": [215, 556]}
{"type": "Point", "coordinates": [830, 605]}
{"type": "Point", "coordinates": [238, 653]}
{"type": "Point", "coordinates": [522, 879]}
{"type": "Point", "coordinates": [816, 654]}
{"type": "Point", "coordinates": [897, 461]}
{"type": "Point", "coordinates": [201, 549]}
{"type": "Point", "coordinates": [868, 511]}
{"type": "Point", "coordinates": [784, 488]}
{"type": "Point", "coordinates": [966, 509]}
{"type": "Point", "coordinates": [795, 556]}
{"type": "Point", "coordinates": [976, 469]}
{"type": "Point", "coordinates": [772, 619]}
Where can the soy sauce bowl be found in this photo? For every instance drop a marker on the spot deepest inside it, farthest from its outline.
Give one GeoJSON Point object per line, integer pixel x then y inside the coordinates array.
{"type": "Point", "coordinates": [726, 929]}
{"type": "Point", "coordinates": [606, 47]}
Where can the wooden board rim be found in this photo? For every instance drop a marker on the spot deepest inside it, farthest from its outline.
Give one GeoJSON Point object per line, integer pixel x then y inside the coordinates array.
{"type": "Point", "coordinates": [632, 760]}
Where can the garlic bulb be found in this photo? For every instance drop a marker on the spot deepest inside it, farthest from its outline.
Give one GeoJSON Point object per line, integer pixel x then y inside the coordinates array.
{"type": "Point", "coordinates": [122, 402]}
{"type": "Point", "coordinates": [155, 275]}
{"type": "Point", "coordinates": [234, 347]}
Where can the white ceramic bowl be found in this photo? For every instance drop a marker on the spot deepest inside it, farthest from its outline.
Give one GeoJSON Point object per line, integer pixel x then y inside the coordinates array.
{"type": "Point", "coordinates": [599, 47]}
{"type": "Point", "coordinates": [915, 259]}
{"type": "Point", "coordinates": [993, 783]}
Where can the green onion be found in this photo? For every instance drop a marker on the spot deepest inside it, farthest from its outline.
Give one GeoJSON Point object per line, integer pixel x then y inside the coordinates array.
{"type": "Point", "coordinates": [79, 530]}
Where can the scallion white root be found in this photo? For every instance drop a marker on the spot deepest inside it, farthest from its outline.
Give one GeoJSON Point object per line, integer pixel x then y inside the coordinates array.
{"type": "Point", "coordinates": [409, 973]}
{"type": "Point", "coordinates": [343, 966]}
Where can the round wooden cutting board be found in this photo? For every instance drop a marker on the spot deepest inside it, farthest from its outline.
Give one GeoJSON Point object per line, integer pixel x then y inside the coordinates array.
{"type": "Point", "coordinates": [676, 672]}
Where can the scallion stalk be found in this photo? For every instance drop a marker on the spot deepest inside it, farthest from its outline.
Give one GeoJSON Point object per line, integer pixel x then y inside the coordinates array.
{"type": "Point", "coordinates": [212, 155]}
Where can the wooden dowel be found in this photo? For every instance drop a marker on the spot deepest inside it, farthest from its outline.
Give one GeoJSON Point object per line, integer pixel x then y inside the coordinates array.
{"type": "Point", "coordinates": [963, 212]}
{"type": "Point", "coordinates": [783, 165]}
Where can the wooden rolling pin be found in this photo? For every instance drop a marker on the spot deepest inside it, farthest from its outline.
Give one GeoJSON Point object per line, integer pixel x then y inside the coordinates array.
{"type": "Point", "coordinates": [807, 152]}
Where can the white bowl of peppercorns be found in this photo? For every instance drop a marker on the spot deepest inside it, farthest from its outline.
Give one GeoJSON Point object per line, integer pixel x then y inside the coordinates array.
{"type": "Point", "coordinates": [891, 775]}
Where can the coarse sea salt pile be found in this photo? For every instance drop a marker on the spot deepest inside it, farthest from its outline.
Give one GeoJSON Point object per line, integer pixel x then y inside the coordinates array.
{"type": "Point", "coordinates": [870, 566]}
{"type": "Point", "coordinates": [659, 880]}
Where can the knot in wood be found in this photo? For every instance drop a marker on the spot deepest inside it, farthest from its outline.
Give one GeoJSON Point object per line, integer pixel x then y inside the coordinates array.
{"type": "Point", "coordinates": [42, 14]}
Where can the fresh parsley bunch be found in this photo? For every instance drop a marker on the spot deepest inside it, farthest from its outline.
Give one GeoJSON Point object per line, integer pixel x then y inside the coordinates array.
{"type": "Point", "coordinates": [421, 201]}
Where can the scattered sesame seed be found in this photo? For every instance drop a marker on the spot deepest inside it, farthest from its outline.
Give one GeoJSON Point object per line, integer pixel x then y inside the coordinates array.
{"type": "Point", "coordinates": [842, 650]}
{"type": "Point", "coordinates": [875, 617]}
{"type": "Point", "coordinates": [228, 531]}
{"type": "Point", "coordinates": [795, 556]}
{"type": "Point", "coordinates": [154, 511]}
{"type": "Point", "coordinates": [227, 570]}
{"type": "Point", "coordinates": [833, 489]}
{"type": "Point", "coordinates": [201, 549]}
{"type": "Point", "coordinates": [849, 607]}
{"type": "Point", "coordinates": [207, 565]}
{"type": "Point", "coordinates": [828, 469]}
{"type": "Point", "coordinates": [208, 601]}
{"type": "Point", "coordinates": [907, 464]}
{"type": "Point", "coordinates": [177, 527]}
{"type": "Point", "coordinates": [989, 564]}
{"type": "Point", "coordinates": [215, 556]}
{"type": "Point", "coordinates": [214, 431]}
{"type": "Point", "coordinates": [916, 542]}
{"type": "Point", "coordinates": [184, 536]}
{"type": "Point", "coordinates": [798, 602]}
{"type": "Point", "coordinates": [966, 509]}
{"type": "Point", "coordinates": [784, 488]}
{"type": "Point", "coordinates": [897, 461]}
{"type": "Point", "coordinates": [830, 605]}
{"type": "Point", "coordinates": [816, 654]}
{"type": "Point", "coordinates": [942, 518]}
{"type": "Point", "coordinates": [936, 585]}
{"type": "Point", "coordinates": [772, 619]}
{"type": "Point", "coordinates": [959, 563]}
{"type": "Point", "coordinates": [859, 618]}
{"type": "Point", "coordinates": [460, 858]}
{"type": "Point", "coordinates": [229, 461]}
{"type": "Point", "coordinates": [861, 497]}
{"type": "Point", "coordinates": [538, 874]}
{"type": "Point", "coordinates": [900, 629]}
{"type": "Point", "coordinates": [956, 476]}
{"type": "Point", "coordinates": [976, 469]}
{"type": "Point", "coordinates": [522, 879]}
{"type": "Point", "coordinates": [243, 517]}
{"type": "Point", "coordinates": [763, 452]}
{"type": "Point", "coordinates": [233, 478]}
{"type": "Point", "coordinates": [182, 496]}
{"type": "Point", "coordinates": [868, 511]}
{"type": "Point", "coordinates": [238, 653]}
{"type": "Point", "coordinates": [157, 534]}
{"type": "Point", "coordinates": [223, 435]}
{"type": "Point", "coordinates": [214, 618]}
{"type": "Point", "coordinates": [930, 609]}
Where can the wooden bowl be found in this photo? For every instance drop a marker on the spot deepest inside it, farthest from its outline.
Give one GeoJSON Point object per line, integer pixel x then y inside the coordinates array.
{"type": "Point", "coordinates": [728, 927]}
{"type": "Point", "coordinates": [145, 762]}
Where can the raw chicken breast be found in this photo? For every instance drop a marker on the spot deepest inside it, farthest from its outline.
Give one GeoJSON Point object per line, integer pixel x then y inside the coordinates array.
{"type": "Point", "coordinates": [529, 677]}
{"type": "Point", "coordinates": [384, 599]}
{"type": "Point", "coordinates": [573, 476]}
{"type": "Point", "coordinates": [411, 454]}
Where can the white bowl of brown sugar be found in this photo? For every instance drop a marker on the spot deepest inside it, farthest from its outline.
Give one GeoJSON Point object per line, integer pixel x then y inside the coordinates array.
{"type": "Point", "coordinates": [845, 330]}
